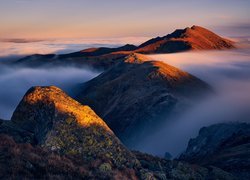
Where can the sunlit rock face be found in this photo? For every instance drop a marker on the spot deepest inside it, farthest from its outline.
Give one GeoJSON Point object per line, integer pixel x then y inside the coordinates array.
{"type": "Point", "coordinates": [61, 124]}
{"type": "Point", "coordinates": [194, 38]}
{"type": "Point", "coordinates": [225, 145]}
{"type": "Point", "coordinates": [133, 95]}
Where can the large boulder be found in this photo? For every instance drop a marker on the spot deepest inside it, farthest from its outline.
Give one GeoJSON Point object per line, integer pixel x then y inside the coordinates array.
{"type": "Point", "coordinates": [63, 125]}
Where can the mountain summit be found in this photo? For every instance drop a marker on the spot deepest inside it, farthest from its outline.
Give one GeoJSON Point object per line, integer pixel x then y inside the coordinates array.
{"type": "Point", "coordinates": [194, 38]}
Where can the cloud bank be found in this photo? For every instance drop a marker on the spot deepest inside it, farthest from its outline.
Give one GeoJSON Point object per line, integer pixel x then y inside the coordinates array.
{"type": "Point", "coordinates": [228, 72]}
{"type": "Point", "coordinates": [22, 47]}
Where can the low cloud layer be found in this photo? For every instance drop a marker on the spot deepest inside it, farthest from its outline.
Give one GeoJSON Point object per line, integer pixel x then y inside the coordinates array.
{"type": "Point", "coordinates": [15, 82]}
{"type": "Point", "coordinates": [228, 72]}
{"type": "Point", "coordinates": [21, 47]}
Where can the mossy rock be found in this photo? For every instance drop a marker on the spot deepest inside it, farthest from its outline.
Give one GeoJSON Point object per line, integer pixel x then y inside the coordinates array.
{"type": "Point", "coordinates": [105, 168]}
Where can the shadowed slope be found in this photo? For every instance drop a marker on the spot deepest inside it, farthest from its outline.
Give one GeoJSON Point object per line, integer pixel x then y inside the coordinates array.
{"type": "Point", "coordinates": [132, 95]}
{"type": "Point", "coordinates": [225, 145]}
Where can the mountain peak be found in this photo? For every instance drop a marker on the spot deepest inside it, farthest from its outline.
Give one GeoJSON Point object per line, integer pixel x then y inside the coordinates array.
{"type": "Point", "coordinates": [194, 38]}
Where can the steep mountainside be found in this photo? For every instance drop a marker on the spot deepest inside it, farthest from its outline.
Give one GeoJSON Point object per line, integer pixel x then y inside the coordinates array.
{"type": "Point", "coordinates": [194, 38]}
{"type": "Point", "coordinates": [133, 95]}
{"type": "Point", "coordinates": [63, 125]}
{"type": "Point", "coordinates": [226, 146]}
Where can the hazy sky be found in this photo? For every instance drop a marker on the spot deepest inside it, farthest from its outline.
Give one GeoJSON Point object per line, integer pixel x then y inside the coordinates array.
{"type": "Point", "coordinates": [119, 18]}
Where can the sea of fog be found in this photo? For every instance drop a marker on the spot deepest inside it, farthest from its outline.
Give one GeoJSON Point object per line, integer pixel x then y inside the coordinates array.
{"type": "Point", "coordinates": [228, 72]}
{"type": "Point", "coordinates": [22, 47]}
{"type": "Point", "coordinates": [15, 82]}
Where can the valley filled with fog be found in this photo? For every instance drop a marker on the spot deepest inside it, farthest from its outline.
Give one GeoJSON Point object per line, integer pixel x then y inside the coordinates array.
{"type": "Point", "coordinates": [228, 72]}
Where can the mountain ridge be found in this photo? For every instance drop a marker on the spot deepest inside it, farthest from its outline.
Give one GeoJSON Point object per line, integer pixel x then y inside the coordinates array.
{"type": "Point", "coordinates": [144, 89]}
{"type": "Point", "coordinates": [194, 38]}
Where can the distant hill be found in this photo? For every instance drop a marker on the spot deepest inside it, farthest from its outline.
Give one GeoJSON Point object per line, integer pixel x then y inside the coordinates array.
{"type": "Point", "coordinates": [133, 95]}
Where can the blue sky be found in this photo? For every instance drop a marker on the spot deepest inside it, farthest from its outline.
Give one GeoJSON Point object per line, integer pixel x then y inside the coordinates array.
{"type": "Point", "coordinates": [117, 18]}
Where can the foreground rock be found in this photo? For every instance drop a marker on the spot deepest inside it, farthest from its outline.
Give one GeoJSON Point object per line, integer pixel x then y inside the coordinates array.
{"type": "Point", "coordinates": [61, 124]}
{"type": "Point", "coordinates": [133, 95]}
{"type": "Point", "coordinates": [226, 146]}
{"type": "Point", "coordinates": [24, 161]}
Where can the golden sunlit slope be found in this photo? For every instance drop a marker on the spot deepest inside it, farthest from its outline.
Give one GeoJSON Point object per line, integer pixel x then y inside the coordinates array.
{"type": "Point", "coordinates": [194, 38]}
{"type": "Point", "coordinates": [132, 95]}
{"type": "Point", "coordinates": [61, 124]}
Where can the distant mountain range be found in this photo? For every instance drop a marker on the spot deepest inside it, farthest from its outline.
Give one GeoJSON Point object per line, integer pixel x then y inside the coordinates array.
{"type": "Point", "coordinates": [194, 38]}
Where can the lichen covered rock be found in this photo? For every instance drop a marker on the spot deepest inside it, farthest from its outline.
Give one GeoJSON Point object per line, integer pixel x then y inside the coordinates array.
{"type": "Point", "coordinates": [61, 124]}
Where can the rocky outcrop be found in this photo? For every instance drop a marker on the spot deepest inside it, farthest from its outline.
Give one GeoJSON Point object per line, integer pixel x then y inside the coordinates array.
{"type": "Point", "coordinates": [226, 146]}
{"type": "Point", "coordinates": [133, 95]}
{"type": "Point", "coordinates": [62, 125]}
